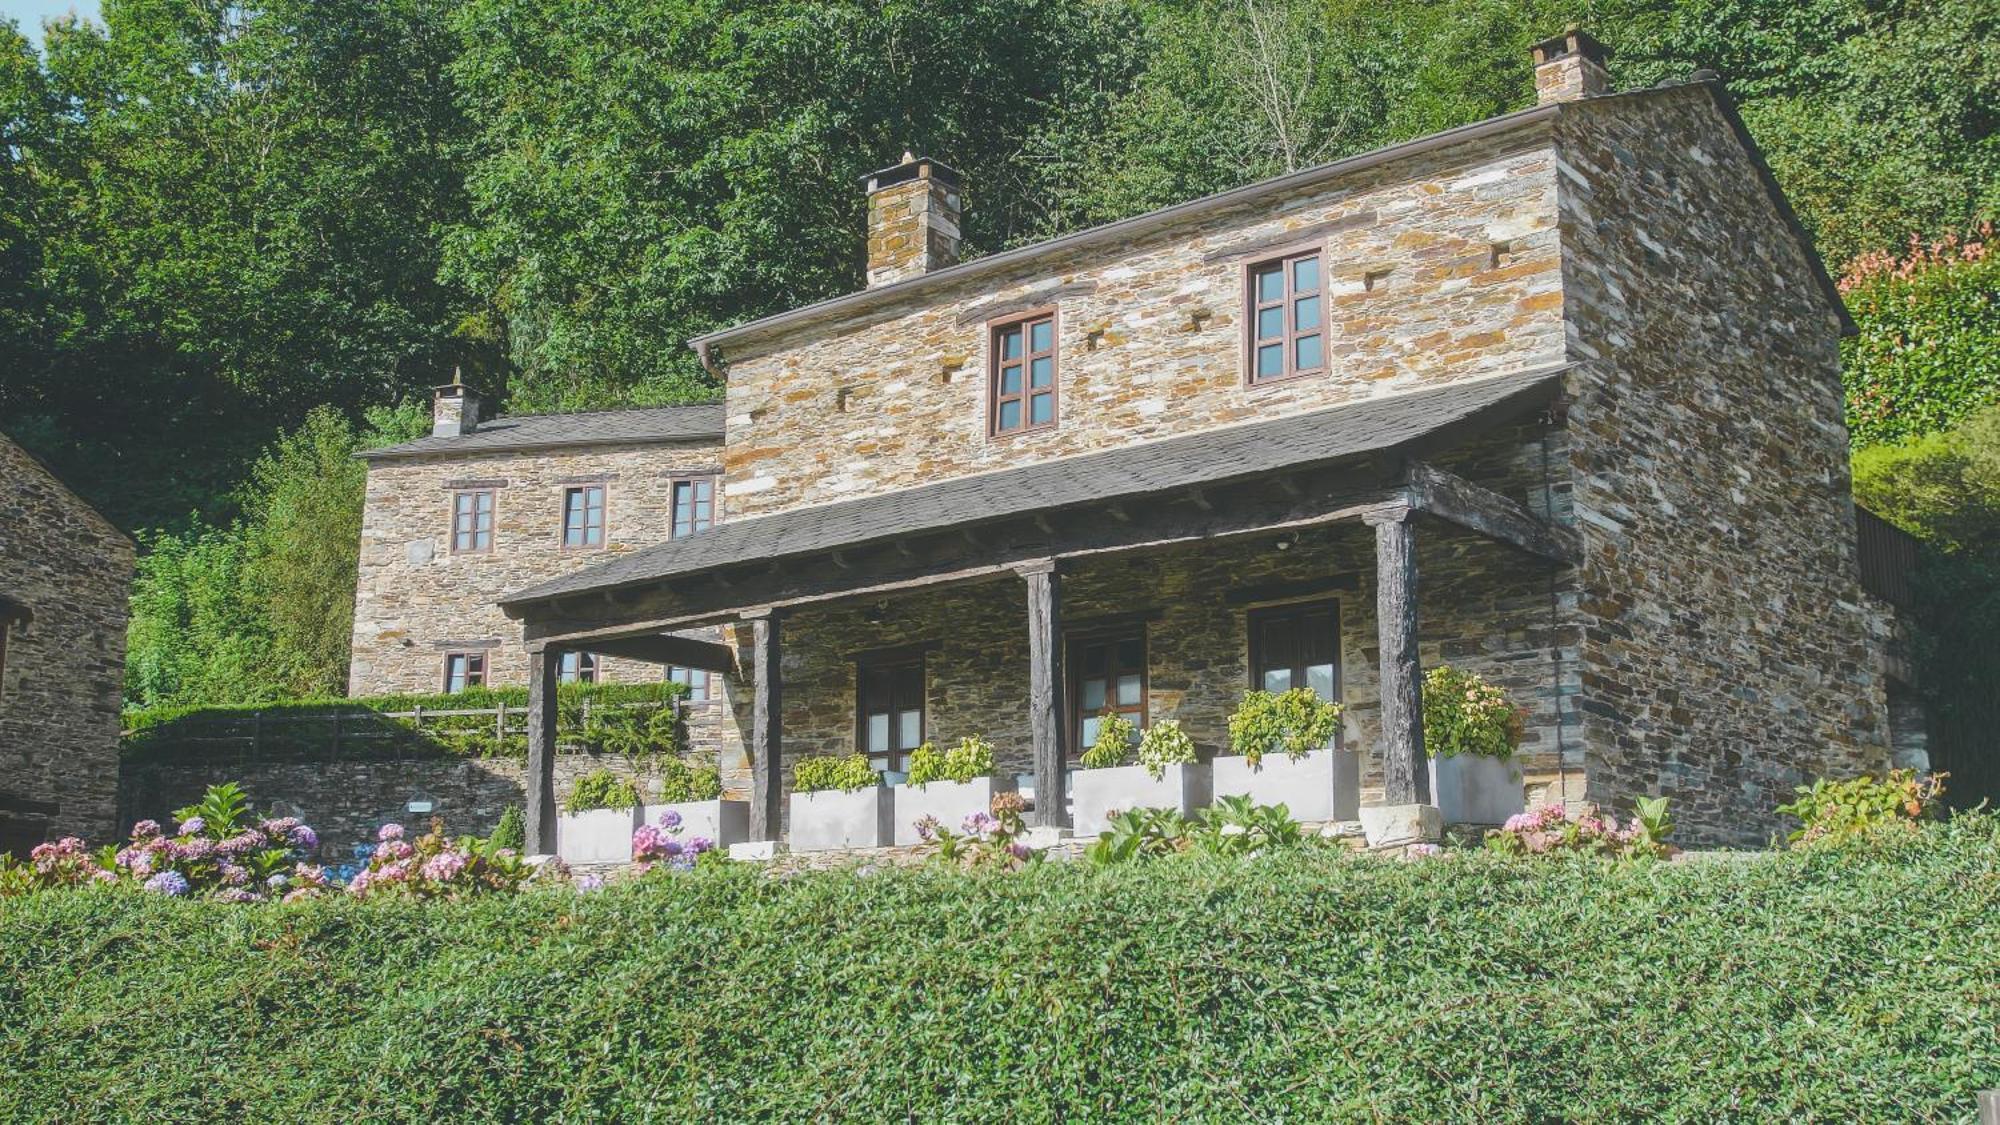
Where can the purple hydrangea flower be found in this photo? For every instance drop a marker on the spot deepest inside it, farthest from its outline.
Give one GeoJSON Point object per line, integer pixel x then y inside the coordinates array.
{"type": "Point", "coordinates": [145, 828]}
{"type": "Point", "coordinates": [390, 832]}
{"type": "Point", "coordinates": [171, 883]}
{"type": "Point", "coordinates": [669, 819]}
{"type": "Point", "coordinates": [192, 826]}
{"type": "Point", "coordinates": [589, 882]}
{"type": "Point", "coordinates": [304, 838]}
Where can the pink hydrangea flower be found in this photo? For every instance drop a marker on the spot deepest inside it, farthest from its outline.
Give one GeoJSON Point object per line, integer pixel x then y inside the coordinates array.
{"type": "Point", "coordinates": [391, 831]}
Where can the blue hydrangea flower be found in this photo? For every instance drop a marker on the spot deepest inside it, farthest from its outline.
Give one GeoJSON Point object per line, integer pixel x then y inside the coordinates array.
{"type": "Point", "coordinates": [171, 883]}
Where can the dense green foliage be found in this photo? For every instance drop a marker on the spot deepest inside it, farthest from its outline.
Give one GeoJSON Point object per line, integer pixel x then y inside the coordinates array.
{"type": "Point", "coordinates": [971, 758]}
{"type": "Point", "coordinates": [1464, 714]}
{"type": "Point", "coordinates": [1848, 982]}
{"type": "Point", "coordinates": [821, 773]}
{"type": "Point", "coordinates": [601, 789]}
{"type": "Point", "coordinates": [1830, 808]}
{"type": "Point", "coordinates": [1928, 351]}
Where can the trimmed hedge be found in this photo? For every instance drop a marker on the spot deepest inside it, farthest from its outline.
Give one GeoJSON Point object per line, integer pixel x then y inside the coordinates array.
{"type": "Point", "coordinates": [1848, 982]}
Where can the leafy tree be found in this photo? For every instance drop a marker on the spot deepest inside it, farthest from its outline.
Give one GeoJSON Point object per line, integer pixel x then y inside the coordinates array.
{"type": "Point", "coordinates": [1928, 351]}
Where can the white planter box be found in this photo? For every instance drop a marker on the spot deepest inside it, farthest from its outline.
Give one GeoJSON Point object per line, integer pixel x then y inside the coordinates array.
{"type": "Point", "coordinates": [1096, 794]}
{"type": "Point", "coordinates": [831, 819]}
{"type": "Point", "coordinates": [949, 801]}
{"type": "Point", "coordinates": [1470, 789]}
{"type": "Point", "coordinates": [723, 822]}
{"type": "Point", "coordinates": [597, 836]}
{"type": "Point", "coordinates": [1324, 785]}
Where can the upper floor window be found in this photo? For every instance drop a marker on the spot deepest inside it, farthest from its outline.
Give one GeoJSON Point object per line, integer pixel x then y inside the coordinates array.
{"type": "Point", "coordinates": [1296, 646]}
{"type": "Point", "coordinates": [1285, 314]}
{"type": "Point", "coordinates": [1108, 674]}
{"type": "Point", "coordinates": [1023, 379]}
{"type": "Point", "coordinates": [583, 516]}
{"type": "Point", "coordinates": [700, 684]}
{"type": "Point", "coordinates": [464, 670]}
{"type": "Point", "coordinates": [694, 505]}
{"type": "Point", "coordinates": [472, 521]}
{"type": "Point", "coordinates": [577, 668]}
{"type": "Point", "coordinates": [889, 710]}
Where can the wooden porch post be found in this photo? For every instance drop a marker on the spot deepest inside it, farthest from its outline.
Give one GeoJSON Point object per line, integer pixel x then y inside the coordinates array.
{"type": "Point", "coordinates": [1405, 773]}
{"type": "Point", "coordinates": [767, 725]}
{"type": "Point", "coordinates": [1045, 707]}
{"type": "Point", "coordinates": [543, 667]}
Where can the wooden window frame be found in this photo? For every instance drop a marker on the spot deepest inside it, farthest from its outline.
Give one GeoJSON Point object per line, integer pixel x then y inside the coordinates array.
{"type": "Point", "coordinates": [891, 661]}
{"type": "Point", "coordinates": [1284, 259]}
{"type": "Point", "coordinates": [475, 666]}
{"type": "Point", "coordinates": [6, 632]}
{"type": "Point", "coordinates": [692, 480]}
{"type": "Point", "coordinates": [1024, 321]}
{"type": "Point", "coordinates": [493, 514]}
{"type": "Point", "coordinates": [603, 525]}
{"type": "Point", "coordinates": [1256, 615]}
{"type": "Point", "coordinates": [708, 691]}
{"type": "Point", "coordinates": [583, 674]}
{"type": "Point", "coordinates": [1112, 635]}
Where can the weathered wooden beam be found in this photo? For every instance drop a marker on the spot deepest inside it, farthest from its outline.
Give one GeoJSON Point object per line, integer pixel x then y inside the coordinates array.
{"type": "Point", "coordinates": [665, 648]}
{"type": "Point", "coordinates": [767, 726]}
{"type": "Point", "coordinates": [544, 665]}
{"type": "Point", "coordinates": [1405, 773]}
{"type": "Point", "coordinates": [1451, 497]}
{"type": "Point", "coordinates": [1045, 709]}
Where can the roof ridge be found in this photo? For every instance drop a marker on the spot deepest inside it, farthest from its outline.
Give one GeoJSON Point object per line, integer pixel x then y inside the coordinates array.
{"type": "Point", "coordinates": [605, 410]}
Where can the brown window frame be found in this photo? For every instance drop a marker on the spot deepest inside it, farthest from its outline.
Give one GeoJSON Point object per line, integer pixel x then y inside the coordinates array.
{"type": "Point", "coordinates": [1288, 303]}
{"type": "Point", "coordinates": [603, 524]}
{"type": "Point", "coordinates": [692, 481]}
{"type": "Point", "coordinates": [707, 678]}
{"type": "Point", "coordinates": [1256, 617]}
{"type": "Point", "coordinates": [1074, 660]}
{"type": "Point", "coordinates": [587, 668]}
{"type": "Point", "coordinates": [475, 669]}
{"type": "Point", "coordinates": [6, 630]}
{"type": "Point", "coordinates": [492, 514]}
{"type": "Point", "coordinates": [890, 664]}
{"type": "Point", "coordinates": [1025, 323]}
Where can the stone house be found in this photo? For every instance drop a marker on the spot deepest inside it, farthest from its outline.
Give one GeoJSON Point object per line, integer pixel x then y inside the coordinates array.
{"type": "Point", "coordinates": [1553, 397]}
{"type": "Point", "coordinates": [65, 585]}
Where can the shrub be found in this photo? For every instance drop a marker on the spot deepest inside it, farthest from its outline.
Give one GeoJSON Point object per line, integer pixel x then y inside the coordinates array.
{"type": "Point", "coordinates": [1833, 809]}
{"type": "Point", "coordinates": [436, 867]}
{"type": "Point", "coordinates": [512, 831]}
{"type": "Point", "coordinates": [1203, 989]}
{"type": "Point", "coordinates": [682, 780]}
{"type": "Point", "coordinates": [1552, 830]}
{"type": "Point", "coordinates": [985, 839]}
{"type": "Point", "coordinates": [1232, 826]}
{"type": "Point", "coordinates": [845, 773]}
{"type": "Point", "coordinates": [1115, 736]}
{"type": "Point", "coordinates": [1927, 353]}
{"type": "Point", "coordinates": [654, 844]}
{"type": "Point", "coordinates": [601, 789]}
{"type": "Point", "coordinates": [971, 758]}
{"type": "Point", "coordinates": [1165, 744]}
{"type": "Point", "coordinates": [1463, 714]}
{"type": "Point", "coordinates": [1297, 722]}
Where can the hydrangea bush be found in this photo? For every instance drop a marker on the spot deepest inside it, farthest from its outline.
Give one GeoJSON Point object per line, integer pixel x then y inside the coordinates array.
{"type": "Point", "coordinates": [1552, 830]}
{"type": "Point", "coordinates": [985, 839]}
{"type": "Point", "coordinates": [1463, 714]}
{"type": "Point", "coordinates": [660, 844]}
{"type": "Point", "coordinates": [435, 866]}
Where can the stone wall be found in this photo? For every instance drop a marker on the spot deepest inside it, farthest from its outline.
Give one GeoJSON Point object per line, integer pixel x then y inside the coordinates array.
{"type": "Point", "coordinates": [1723, 641]}
{"type": "Point", "coordinates": [416, 600]}
{"type": "Point", "coordinates": [63, 672]}
{"type": "Point", "coordinates": [346, 801]}
{"type": "Point", "coordinates": [1439, 267]}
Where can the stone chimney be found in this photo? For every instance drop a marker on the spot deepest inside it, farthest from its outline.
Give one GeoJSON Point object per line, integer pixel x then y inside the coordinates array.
{"type": "Point", "coordinates": [913, 211]}
{"type": "Point", "coordinates": [454, 408]}
{"type": "Point", "coordinates": [1569, 67]}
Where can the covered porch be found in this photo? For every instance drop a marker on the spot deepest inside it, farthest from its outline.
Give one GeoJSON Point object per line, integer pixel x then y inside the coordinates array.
{"type": "Point", "coordinates": [1161, 580]}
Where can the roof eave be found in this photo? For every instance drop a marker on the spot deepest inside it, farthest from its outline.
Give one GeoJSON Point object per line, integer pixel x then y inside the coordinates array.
{"type": "Point", "coordinates": [393, 453]}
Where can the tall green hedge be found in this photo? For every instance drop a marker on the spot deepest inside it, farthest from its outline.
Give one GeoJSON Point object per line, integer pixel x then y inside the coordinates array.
{"type": "Point", "coordinates": [1847, 983]}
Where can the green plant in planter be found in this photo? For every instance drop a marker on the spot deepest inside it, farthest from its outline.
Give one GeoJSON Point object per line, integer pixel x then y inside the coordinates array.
{"type": "Point", "coordinates": [971, 758]}
{"type": "Point", "coordinates": [1115, 735]}
{"type": "Point", "coordinates": [1463, 714]}
{"type": "Point", "coordinates": [600, 789]}
{"type": "Point", "coordinates": [821, 773]}
{"type": "Point", "coordinates": [682, 781]}
{"type": "Point", "coordinates": [1165, 744]}
{"type": "Point", "coordinates": [1296, 723]}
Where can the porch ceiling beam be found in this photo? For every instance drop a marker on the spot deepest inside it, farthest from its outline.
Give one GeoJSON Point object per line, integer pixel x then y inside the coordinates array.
{"type": "Point", "coordinates": [1454, 499]}
{"type": "Point", "coordinates": [665, 648]}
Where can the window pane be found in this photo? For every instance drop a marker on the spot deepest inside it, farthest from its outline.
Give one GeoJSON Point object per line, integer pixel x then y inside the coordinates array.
{"type": "Point", "coordinates": [1319, 677]}
{"type": "Point", "coordinates": [1131, 653]}
{"type": "Point", "coordinates": [1310, 355]}
{"type": "Point", "coordinates": [1270, 360]}
{"type": "Point", "coordinates": [1090, 725]}
{"type": "Point", "coordinates": [485, 502]}
{"type": "Point", "coordinates": [878, 733]}
{"type": "Point", "coordinates": [1271, 322]}
{"type": "Point", "coordinates": [1010, 344]}
{"type": "Point", "coordinates": [1093, 696]}
{"type": "Point", "coordinates": [1010, 380]}
{"type": "Point", "coordinates": [910, 730]}
{"type": "Point", "coordinates": [1042, 336]}
{"type": "Point", "coordinates": [1270, 284]}
{"type": "Point", "coordinates": [1305, 313]}
{"type": "Point", "coordinates": [1095, 658]}
{"type": "Point", "coordinates": [1041, 372]}
{"type": "Point", "coordinates": [1278, 679]}
{"type": "Point", "coordinates": [1128, 690]}
{"type": "Point", "coordinates": [1010, 415]}
{"type": "Point", "coordinates": [1042, 408]}
{"type": "Point", "coordinates": [1305, 275]}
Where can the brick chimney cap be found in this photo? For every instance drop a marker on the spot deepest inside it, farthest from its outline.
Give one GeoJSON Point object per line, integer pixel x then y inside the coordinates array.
{"type": "Point", "coordinates": [913, 167]}
{"type": "Point", "coordinates": [1573, 41]}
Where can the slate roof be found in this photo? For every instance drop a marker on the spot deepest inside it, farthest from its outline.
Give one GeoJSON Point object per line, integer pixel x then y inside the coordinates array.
{"type": "Point", "coordinates": [1353, 430]}
{"type": "Point", "coordinates": [640, 426]}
